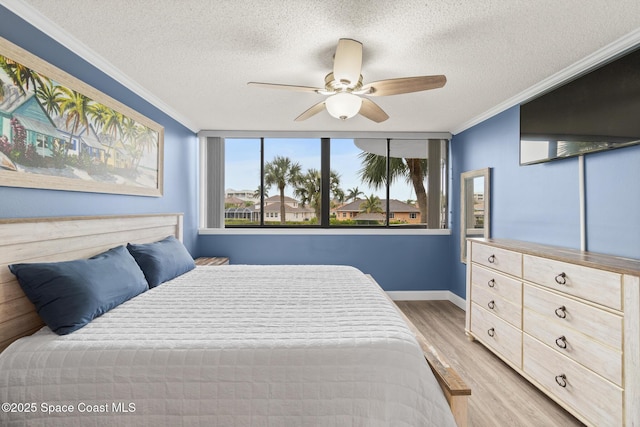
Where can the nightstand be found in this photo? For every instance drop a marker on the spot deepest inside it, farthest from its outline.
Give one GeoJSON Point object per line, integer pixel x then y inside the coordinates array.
{"type": "Point", "coordinates": [217, 260]}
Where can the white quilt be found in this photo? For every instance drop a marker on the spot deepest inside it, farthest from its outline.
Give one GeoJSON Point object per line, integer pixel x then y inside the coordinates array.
{"type": "Point", "coordinates": [230, 346]}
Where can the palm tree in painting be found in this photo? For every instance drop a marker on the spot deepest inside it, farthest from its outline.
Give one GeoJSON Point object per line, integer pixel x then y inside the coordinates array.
{"type": "Point", "coordinates": [147, 141]}
{"type": "Point", "coordinates": [136, 139]}
{"type": "Point", "coordinates": [103, 117]}
{"type": "Point", "coordinates": [23, 77]}
{"type": "Point", "coordinates": [281, 171]}
{"type": "Point", "coordinates": [371, 204]}
{"type": "Point", "coordinates": [309, 189]}
{"type": "Point", "coordinates": [130, 132]}
{"type": "Point", "coordinates": [50, 98]}
{"type": "Point", "coordinates": [108, 124]}
{"type": "Point", "coordinates": [74, 106]}
{"type": "Point", "coordinates": [374, 173]}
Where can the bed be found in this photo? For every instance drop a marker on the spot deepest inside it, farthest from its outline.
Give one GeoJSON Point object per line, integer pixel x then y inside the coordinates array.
{"type": "Point", "coordinates": [227, 346]}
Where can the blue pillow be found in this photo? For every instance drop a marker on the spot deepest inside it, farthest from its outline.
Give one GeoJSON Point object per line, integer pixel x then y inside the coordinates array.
{"type": "Point", "coordinates": [70, 294]}
{"type": "Point", "coordinates": [163, 260]}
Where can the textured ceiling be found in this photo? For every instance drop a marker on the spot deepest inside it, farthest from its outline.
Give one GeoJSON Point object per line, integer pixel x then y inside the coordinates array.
{"type": "Point", "coordinates": [194, 57]}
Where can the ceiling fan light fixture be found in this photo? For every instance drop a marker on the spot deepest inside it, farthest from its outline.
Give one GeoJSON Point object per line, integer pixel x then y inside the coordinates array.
{"type": "Point", "coordinates": [343, 87]}
{"type": "Point", "coordinates": [344, 105]}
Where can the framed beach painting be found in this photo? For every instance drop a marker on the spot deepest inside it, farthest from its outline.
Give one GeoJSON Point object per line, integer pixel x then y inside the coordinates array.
{"type": "Point", "coordinates": [57, 132]}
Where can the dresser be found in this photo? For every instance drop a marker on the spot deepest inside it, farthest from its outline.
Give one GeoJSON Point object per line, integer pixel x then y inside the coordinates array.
{"type": "Point", "coordinates": [568, 321]}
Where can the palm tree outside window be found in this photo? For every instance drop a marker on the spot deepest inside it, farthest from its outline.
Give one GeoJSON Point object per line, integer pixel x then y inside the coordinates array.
{"type": "Point", "coordinates": [323, 183]}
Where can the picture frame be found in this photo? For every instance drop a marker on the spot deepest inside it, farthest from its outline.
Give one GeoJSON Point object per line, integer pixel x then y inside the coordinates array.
{"type": "Point", "coordinates": [59, 133]}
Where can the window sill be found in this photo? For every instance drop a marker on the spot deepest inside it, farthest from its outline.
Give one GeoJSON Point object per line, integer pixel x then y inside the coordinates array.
{"type": "Point", "coordinates": [328, 231]}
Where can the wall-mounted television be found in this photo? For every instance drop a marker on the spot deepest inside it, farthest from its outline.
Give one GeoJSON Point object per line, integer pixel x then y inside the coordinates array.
{"type": "Point", "coordinates": [598, 111]}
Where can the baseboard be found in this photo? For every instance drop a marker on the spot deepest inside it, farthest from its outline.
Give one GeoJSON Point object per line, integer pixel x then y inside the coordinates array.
{"type": "Point", "coordinates": [428, 296]}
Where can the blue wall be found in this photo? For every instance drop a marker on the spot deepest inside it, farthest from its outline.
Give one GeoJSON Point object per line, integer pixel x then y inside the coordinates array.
{"type": "Point", "coordinates": [540, 203]}
{"type": "Point", "coordinates": [180, 165]}
{"type": "Point", "coordinates": [397, 262]}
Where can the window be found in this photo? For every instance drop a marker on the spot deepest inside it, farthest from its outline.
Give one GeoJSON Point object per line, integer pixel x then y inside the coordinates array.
{"type": "Point", "coordinates": [291, 180]}
{"type": "Point", "coordinates": [242, 182]}
{"type": "Point", "coordinates": [325, 183]}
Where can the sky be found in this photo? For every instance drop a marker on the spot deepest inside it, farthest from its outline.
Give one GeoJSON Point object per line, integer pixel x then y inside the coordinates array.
{"type": "Point", "coordinates": [242, 164]}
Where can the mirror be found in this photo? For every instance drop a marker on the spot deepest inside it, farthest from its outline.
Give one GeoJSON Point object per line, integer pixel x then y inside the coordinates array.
{"type": "Point", "coordinates": [474, 207]}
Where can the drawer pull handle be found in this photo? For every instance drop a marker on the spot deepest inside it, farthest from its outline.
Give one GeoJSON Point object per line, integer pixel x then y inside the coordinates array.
{"type": "Point", "coordinates": [561, 342]}
{"type": "Point", "coordinates": [491, 332]}
{"type": "Point", "coordinates": [561, 312]}
{"type": "Point", "coordinates": [491, 259]}
{"type": "Point", "coordinates": [491, 283]}
{"type": "Point", "coordinates": [561, 380]}
{"type": "Point", "coordinates": [491, 304]}
{"type": "Point", "coordinates": [561, 279]}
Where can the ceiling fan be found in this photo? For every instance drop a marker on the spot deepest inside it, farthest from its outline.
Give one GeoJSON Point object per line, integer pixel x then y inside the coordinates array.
{"type": "Point", "coordinates": [347, 95]}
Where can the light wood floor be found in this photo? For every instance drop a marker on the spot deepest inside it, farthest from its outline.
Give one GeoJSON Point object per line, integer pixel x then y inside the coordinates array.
{"type": "Point", "coordinates": [499, 396]}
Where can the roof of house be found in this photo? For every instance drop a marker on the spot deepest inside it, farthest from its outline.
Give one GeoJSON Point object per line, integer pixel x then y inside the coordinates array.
{"type": "Point", "coordinates": [233, 200]}
{"type": "Point", "coordinates": [43, 127]}
{"type": "Point", "coordinates": [276, 199]}
{"type": "Point", "coordinates": [89, 137]}
{"type": "Point", "coordinates": [275, 207]}
{"type": "Point", "coordinates": [27, 109]}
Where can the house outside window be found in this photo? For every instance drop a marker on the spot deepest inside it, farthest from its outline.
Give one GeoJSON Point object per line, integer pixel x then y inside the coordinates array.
{"type": "Point", "coordinates": [329, 182]}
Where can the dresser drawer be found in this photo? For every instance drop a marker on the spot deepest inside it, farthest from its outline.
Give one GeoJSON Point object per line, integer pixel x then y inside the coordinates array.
{"type": "Point", "coordinates": [497, 283]}
{"type": "Point", "coordinates": [497, 305]}
{"type": "Point", "coordinates": [497, 334]}
{"type": "Point", "coordinates": [599, 286]}
{"type": "Point", "coordinates": [598, 400]}
{"type": "Point", "coordinates": [602, 359]}
{"type": "Point", "coordinates": [595, 323]}
{"type": "Point", "coordinates": [499, 259]}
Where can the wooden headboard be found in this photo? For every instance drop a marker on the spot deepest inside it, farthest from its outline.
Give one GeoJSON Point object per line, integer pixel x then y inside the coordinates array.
{"type": "Point", "coordinates": [64, 239]}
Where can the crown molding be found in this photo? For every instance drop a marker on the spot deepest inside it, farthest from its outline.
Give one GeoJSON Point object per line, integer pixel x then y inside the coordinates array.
{"type": "Point", "coordinates": [612, 50]}
{"type": "Point", "coordinates": [322, 134]}
{"type": "Point", "coordinates": [42, 23]}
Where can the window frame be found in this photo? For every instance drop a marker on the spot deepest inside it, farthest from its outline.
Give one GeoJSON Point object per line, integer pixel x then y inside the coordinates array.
{"type": "Point", "coordinates": [323, 227]}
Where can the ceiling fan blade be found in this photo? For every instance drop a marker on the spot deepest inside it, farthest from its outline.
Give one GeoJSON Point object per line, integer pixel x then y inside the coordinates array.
{"type": "Point", "coordinates": [311, 112]}
{"type": "Point", "coordinates": [287, 87]}
{"type": "Point", "coordinates": [372, 111]}
{"type": "Point", "coordinates": [347, 62]}
{"type": "Point", "coordinates": [402, 85]}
